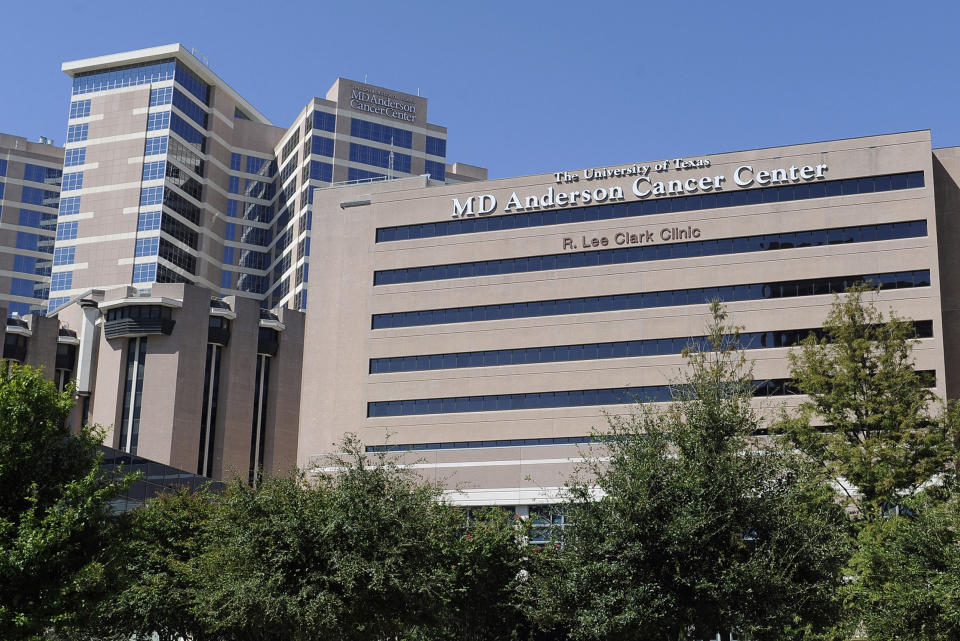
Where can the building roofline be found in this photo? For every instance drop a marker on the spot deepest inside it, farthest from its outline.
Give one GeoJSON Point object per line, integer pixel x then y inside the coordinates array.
{"type": "Point", "coordinates": [176, 50]}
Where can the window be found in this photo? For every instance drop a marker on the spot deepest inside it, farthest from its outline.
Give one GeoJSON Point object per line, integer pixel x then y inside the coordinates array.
{"type": "Point", "coordinates": [436, 146]}
{"type": "Point", "coordinates": [39, 174]}
{"type": "Point", "coordinates": [187, 131]}
{"type": "Point", "coordinates": [362, 174]}
{"type": "Point", "coordinates": [79, 109]}
{"type": "Point", "coordinates": [69, 205]}
{"type": "Point", "coordinates": [146, 246]}
{"type": "Point", "coordinates": [132, 394]}
{"type": "Point", "coordinates": [290, 145]}
{"type": "Point", "coordinates": [324, 121]}
{"type": "Point", "coordinates": [144, 272]}
{"type": "Point", "coordinates": [148, 220]}
{"type": "Point", "coordinates": [160, 120]}
{"type": "Point", "coordinates": [161, 96]}
{"type": "Point", "coordinates": [67, 230]}
{"type": "Point", "coordinates": [60, 281]}
{"type": "Point", "coordinates": [155, 146]}
{"type": "Point", "coordinates": [380, 158]}
{"type": "Point", "coordinates": [193, 111]}
{"type": "Point", "coordinates": [124, 76]}
{"type": "Point", "coordinates": [64, 255]}
{"type": "Point", "coordinates": [321, 171]}
{"type": "Point", "coordinates": [151, 195]}
{"type": "Point", "coordinates": [154, 170]}
{"type": "Point", "coordinates": [381, 133]}
{"type": "Point", "coordinates": [76, 133]}
{"type": "Point", "coordinates": [226, 280]}
{"type": "Point", "coordinates": [189, 81]}
{"type": "Point", "coordinates": [321, 146]}
{"type": "Point", "coordinates": [74, 157]}
{"type": "Point", "coordinates": [437, 170]}
{"type": "Point", "coordinates": [72, 181]}
{"type": "Point", "coordinates": [236, 162]}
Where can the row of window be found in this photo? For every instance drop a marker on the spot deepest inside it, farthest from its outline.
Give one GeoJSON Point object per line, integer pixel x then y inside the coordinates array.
{"type": "Point", "coordinates": [192, 83]}
{"type": "Point", "coordinates": [125, 76]}
{"type": "Point", "coordinates": [593, 258]}
{"type": "Point", "coordinates": [598, 351]}
{"type": "Point", "coordinates": [146, 246]}
{"type": "Point", "coordinates": [154, 170]}
{"type": "Point", "coordinates": [321, 171]}
{"type": "Point", "coordinates": [72, 181]}
{"type": "Point", "coordinates": [457, 445]}
{"type": "Point", "coordinates": [354, 175]}
{"type": "Point", "coordinates": [27, 288]}
{"type": "Point", "coordinates": [289, 146]}
{"type": "Point", "coordinates": [805, 191]}
{"type": "Point", "coordinates": [140, 312]}
{"type": "Point", "coordinates": [60, 281]}
{"type": "Point", "coordinates": [158, 120]}
{"type": "Point", "coordinates": [381, 133]}
{"type": "Point", "coordinates": [144, 272]}
{"type": "Point", "coordinates": [186, 131]}
{"type": "Point", "coordinates": [394, 161]}
{"type": "Point", "coordinates": [37, 219]}
{"type": "Point", "coordinates": [34, 242]}
{"type": "Point", "coordinates": [545, 400]}
{"type": "Point", "coordinates": [148, 220]}
{"type": "Point", "coordinates": [647, 300]}
{"type": "Point", "coordinates": [67, 230]}
{"type": "Point", "coordinates": [31, 265]}
{"type": "Point", "coordinates": [64, 255]}
{"type": "Point", "coordinates": [155, 146]}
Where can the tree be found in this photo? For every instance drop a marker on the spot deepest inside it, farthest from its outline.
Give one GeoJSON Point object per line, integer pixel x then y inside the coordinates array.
{"type": "Point", "coordinates": [699, 526]}
{"type": "Point", "coordinates": [909, 566]}
{"type": "Point", "coordinates": [862, 385]}
{"type": "Point", "coordinates": [154, 585]}
{"type": "Point", "coordinates": [366, 551]}
{"type": "Point", "coordinates": [56, 524]}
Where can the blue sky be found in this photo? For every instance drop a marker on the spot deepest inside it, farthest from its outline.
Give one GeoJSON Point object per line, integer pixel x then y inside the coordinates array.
{"type": "Point", "coordinates": [531, 87]}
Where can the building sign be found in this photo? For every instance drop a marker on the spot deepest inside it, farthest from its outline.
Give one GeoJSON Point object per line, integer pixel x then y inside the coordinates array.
{"type": "Point", "coordinates": [644, 185]}
{"type": "Point", "coordinates": [382, 102]}
{"type": "Point", "coordinates": [627, 238]}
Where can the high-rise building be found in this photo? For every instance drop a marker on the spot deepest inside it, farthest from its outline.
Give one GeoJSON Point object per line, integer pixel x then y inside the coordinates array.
{"type": "Point", "coordinates": [176, 178]}
{"type": "Point", "coordinates": [30, 175]}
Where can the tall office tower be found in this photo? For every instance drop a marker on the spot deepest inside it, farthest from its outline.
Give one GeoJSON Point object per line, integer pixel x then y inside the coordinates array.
{"type": "Point", "coordinates": [176, 178]}
{"type": "Point", "coordinates": [29, 192]}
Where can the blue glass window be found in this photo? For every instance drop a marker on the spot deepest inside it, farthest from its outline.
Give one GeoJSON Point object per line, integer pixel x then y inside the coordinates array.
{"type": "Point", "coordinates": [187, 132]}
{"type": "Point", "coordinates": [254, 164]}
{"type": "Point", "coordinates": [824, 189]}
{"type": "Point", "coordinates": [380, 157]}
{"type": "Point", "coordinates": [67, 230]}
{"type": "Point", "coordinates": [648, 300]}
{"type": "Point", "coordinates": [230, 231]}
{"type": "Point", "coordinates": [79, 109]}
{"type": "Point", "coordinates": [3, 167]}
{"type": "Point", "coordinates": [148, 220]}
{"type": "Point", "coordinates": [161, 96]}
{"type": "Point", "coordinates": [72, 181]}
{"type": "Point", "coordinates": [44, 197]}
{"type": "Point", "coordinates": [22, 287]}
{"type": "Point", "coordinates": [36, 219]}
{"type": "Point", "coordinates": [39, 174]}
{"type": "Point", "coordinates": [24, 264]}
{"type": "Point", "coordinates": [236, 162]}
{"type": "Point", "coordinates": [436, 146]}
{"type": "Point", "coordinates": [64, 255]}
{"type": "Point", "coordinates": [28, 241]}
{"type": "Point", "coordinates": [226, 280]}
{"type": "Point", "coordinates": [321, 171]}
{"type": "Point", "coordinates": [381, 133]}
{"type": "Point", "coordinates": [155, 146]}
{"type": "Point", "coordinates": [76, 133]}
{"type": "Point", "coordinates": [74, 157]}
{"type": "Point", "coordinates": [60, 281]}
{"type": "Point", "coordinates": [125, 76]}
{"type": "Point", "coordinates": [234, 185]}
{"type": "Point", "coordinates": [154, 170]}
{"type": "Point", "coordinates": [54, 303]}
{"type": "Point", "coordinates": [437, 170]}
{"type": "Point", "coordinates": [193, 111]}
{"type": "Point", "coordinates": [322, 146]}
{"type": "Point", "coordinates": [144, 272]}
{"type": "Point", "coordinates": [324, 121]}
{"type": "Point", "coordinates": [232, 208]}
{"type": "Point", "coordinates": [192, 83]}
{"type": "Point", "coordinates": [69, 205]}
{"type": "Point", "coordinates": [147, 246]}
{"type": "Point", "coordinates": [151, 195]}
{"type": "Point", "coordinates": [159, 120]}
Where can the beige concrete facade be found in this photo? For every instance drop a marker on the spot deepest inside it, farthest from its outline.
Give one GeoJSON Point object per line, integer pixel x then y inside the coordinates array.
{"type": "Point", "coordinates": [340, 340]}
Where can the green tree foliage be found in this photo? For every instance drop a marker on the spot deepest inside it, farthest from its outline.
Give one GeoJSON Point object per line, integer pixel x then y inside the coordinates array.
{"type": "Point", "coordinates": [154, 584]}
{"type": "Point", "coordinates": [699, 526]}
{"type": "Point", "coordinates": [55, 519]}
{"type": "Point", "coordinates": [909, 568]}
{"type": "Point", "coordinates": [366, 550]}
{"type": "Point", "coordinates": [861, 382]}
